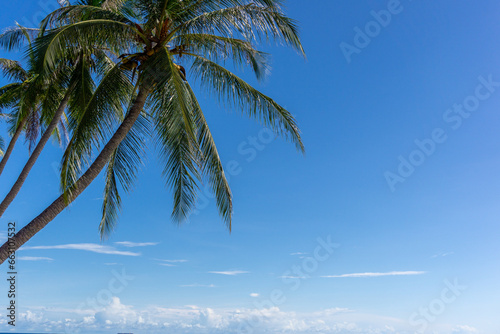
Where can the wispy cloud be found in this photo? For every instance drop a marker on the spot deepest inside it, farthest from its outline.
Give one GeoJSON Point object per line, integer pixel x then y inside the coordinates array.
{"type": "Point", "coordinates": [442, 254]}
{"type": "Point", "coordinates": [230, 272]}
{"type": "Point", "coordinates": [293, 277]}
{"type": "Point", "coordinates": [34, 258]}
{"type": "Point", "coordinates": [135, 244]}
{"type": "Point", "coordinates": [254, 295]}
{"type": "Point", "coordinates": [170, 263]}
{"type": "Point", "coordinates": [298, 253]}
{"type": "Point", "coordinates": [464, 329]}
{"type": "Point", "coordinates": [95, 248]}
{"type": "Point", "coordinates": [196, 285]}
{"type": "Point", "coordinates": [391, 273]}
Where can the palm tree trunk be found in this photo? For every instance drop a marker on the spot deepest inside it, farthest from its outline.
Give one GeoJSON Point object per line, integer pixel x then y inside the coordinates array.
{"type": "Point", "coordinates": [12, 143]}
{"type": "Point", "coordinates": [36, 153]}
{"type": "Point", "coordinates": [82, 183]}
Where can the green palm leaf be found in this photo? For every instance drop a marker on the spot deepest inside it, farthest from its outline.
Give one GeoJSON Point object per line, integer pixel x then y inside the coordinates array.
{"type": "Point", "coordinates": [91, 126]}
{"type": "Point", "coordinates": [211, 163]}
{"type": "Point", "coordinates": [177, 148]}
{"type": "Point", "coordinates": [16, 37]}
{"type": "Point", "coordinates": [52, 47]}
{"type": "Point", "coordinates": [13, 70]}
{"type": "Point", "coordinates": [251, 20]}
{"type": "Point", "coordinates": [122, 171]}
{"type": "Point", "coordinates": [220, 49]}
{"type": "Point", "coordinates": [232, 90]}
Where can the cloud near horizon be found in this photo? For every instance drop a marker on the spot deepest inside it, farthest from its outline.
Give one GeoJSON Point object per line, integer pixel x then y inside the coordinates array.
{"type": "Point", "coordinates": [95, 248]}
{"type": "Point", "coordinates": [119, 317]}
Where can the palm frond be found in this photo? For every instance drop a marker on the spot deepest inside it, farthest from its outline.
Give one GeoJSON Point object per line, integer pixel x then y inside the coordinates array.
{"type": "Point", "coordinates": [180, 94]}
{"type": "Point", "coordinates": [107, 10]}
{"type": "Point", "coordinates": [220, 49]}
{"type": "Point", "coordinates": [177, 149]}
{"type": "Point", "coordinates": [13, 39]}
{"type": "Point", "coordinates": [32, 130]}
{"type": "Point", "coordinates": [211, 163]}
{"type": "Point", "coordinates": [83, 85]}
{"type": "Point", "coordinates": [93, 125]}
{"type": "Point", "coordinates": [253, 21]}
{"type": "Point", "coordinates": [50, 48]}
{"type": "Point", "coordinates": [13, 70]}
{"type": "Point", "coordinates": [10, 95]}
{"type": "Point", "coordinates": [122, 171]}
{"type": "Point", "coordinates": [232, 90]}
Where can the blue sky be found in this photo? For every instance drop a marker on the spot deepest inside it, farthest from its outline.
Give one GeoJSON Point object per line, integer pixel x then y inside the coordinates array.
{"type": "Point", "coordinates": [400, 181]}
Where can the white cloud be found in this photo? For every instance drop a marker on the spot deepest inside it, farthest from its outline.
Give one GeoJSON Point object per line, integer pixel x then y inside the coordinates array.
{"type": "Point", "coordinates": [391, 273]}
{"type": "Point", "coordinates": [29, 316]}
{"type": "Point", "coordinates": [464, 329]}
{"type": "Point", "coordinates": [95, 248]}
{"type": "Point", "coordinates": [170, 263]}
{"type": "Point", "coordinates": [196, 285]}
{"type": "Point", "coordinates": [117, 316]}
{"type": "Point", "coordinates": [298, 253]}
{"type": "Point", "coordinates": [442, 254]}
{"type": "Point", "coordinates": [293, 277]}
{"type": "Point", "coordinates": [34, 258]}
{"type": "Point", "coordinates": [116, 313]}
{"type": "Point", "coordinates": [230, 272]}
{"type": "Point", "coordinates": [254, 295]}
{"type": "Point", "coordinates": [135, 244]}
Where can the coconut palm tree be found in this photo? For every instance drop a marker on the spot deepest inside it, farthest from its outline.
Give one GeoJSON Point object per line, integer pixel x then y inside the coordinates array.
{"type": "Point", "coordinates": [28, 100]}
{"type": "Point", "coordinates": [158, 40]}
{"type": "Point", "coordinates": [9, 97]}
{"type": "Point", "coordinates": [70, 85]}
{"type": "Point", "coordinates": [25, 96]}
